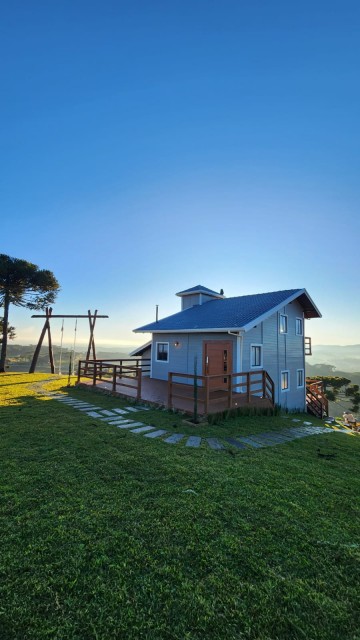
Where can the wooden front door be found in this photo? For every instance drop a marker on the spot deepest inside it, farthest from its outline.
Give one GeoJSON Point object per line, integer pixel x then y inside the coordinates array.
{"type": "Point", "coordinates": [217, 361]}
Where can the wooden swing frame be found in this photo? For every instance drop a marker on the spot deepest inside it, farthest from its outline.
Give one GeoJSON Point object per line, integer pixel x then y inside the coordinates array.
{"type": "Point", "coordinates": [46, 329]}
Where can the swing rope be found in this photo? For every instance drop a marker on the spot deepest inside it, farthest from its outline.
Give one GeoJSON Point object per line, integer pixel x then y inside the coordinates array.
{"type": "Point", "coordinates": [61, 346]}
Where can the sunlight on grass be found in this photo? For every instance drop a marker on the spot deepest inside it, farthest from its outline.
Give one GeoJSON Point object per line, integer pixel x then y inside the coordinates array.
{"type": "Point", "coordinates": [108, 535]}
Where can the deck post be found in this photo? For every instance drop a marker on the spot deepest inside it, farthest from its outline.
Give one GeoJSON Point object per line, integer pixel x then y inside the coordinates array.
{"type": "Point", "coordinates": [94, 374]}
{"type": "Point", "coordinates": [264, 384]}
{"type": "Point", "coordinates": [230, 390]}
{"type": "Point", "coordinates": [248, 394]}
{"type": "Point", "coordinates": [114, 379]}
{"type": "Point", "coordinates": [138, 375]}
{"type": "Point", "coordinates": [170, 390]}
{"type": "Point", "coordinates": [78, 371]}
{"type": "Point", "coordinates": [207, 394]}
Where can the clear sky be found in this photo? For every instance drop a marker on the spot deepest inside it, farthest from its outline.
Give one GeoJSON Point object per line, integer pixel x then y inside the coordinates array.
{"type": "Point", "coordinates": [148, 146]}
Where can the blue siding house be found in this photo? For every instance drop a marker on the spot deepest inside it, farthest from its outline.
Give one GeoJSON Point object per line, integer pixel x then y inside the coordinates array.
{"type": "Point", "coordinates": [263, 333]}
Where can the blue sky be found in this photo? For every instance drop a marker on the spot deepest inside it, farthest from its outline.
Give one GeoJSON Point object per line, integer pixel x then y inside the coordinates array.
{"type": "Point", "coordinates": [149, 146]}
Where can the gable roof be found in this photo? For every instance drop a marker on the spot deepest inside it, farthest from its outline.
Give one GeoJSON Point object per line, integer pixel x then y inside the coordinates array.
{"type": "Point", "coordinates": [139, 351]}
{"type": "Point", "coordinates": [199, 289]}
{"type": "Point", "coordinates": [232, 314]}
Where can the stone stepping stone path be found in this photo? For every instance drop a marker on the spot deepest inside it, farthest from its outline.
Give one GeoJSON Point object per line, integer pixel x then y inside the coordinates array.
{"type": "Point", "coordinates": [155, 434]}
{"type": "Point", "coordinates": [175, 438]}
{"type": "Point", "coordinates": [193, 441]}
{"type": "Point", "coordinates": [123, 418]}
{"type": "Point", "coordinates": [214, 444]}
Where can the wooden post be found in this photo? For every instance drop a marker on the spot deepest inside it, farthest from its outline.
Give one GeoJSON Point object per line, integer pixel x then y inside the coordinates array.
{"type": "Point", "coordinates": [138, 376]}
{"type": "Point", "coordinates": [91, 345]}
{"type": "Point", "coordinates": [48, 311]}
{"type": "Point", "coordinates": [207, 394]}
{"type": "Point", "coordinates": [230, 390]}
{"type": "Point", "coordinates": [51, 355]}
{"type": "Point", "coordinates": [169, 390]}
{"type": "Point", "coordinates": [248, 394]}
{"type": "Point", "coordinates": [78, 374]}
{"type": "Point", "coordinates": [264, 384]}
{"type": "Point", "coordinates": [94, 374]}
{"type": "Point", "coordinates": [114, 379]}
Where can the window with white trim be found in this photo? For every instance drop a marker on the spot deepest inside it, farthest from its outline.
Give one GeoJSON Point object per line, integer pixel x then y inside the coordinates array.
{"type": "Point", "coordinates": [285, 381]}
{"type": "Point", "coordinates": [162, 352]}
{"type": "Point", "coordinates": [299, 327]}
{"type": "Point", "coordinates": [300, 378]}
{"type": "Point", "coordinates": [256, 356]}
{"type": "Point", "coordinates": [283, 323]}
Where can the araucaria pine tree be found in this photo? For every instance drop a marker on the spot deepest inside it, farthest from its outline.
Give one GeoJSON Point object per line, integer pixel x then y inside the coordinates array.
{"type": "Point", "coordinates": [23, 284]}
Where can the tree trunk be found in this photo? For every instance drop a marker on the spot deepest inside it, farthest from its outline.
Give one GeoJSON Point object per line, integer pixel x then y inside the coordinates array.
{"type": "Point", "coordinates": [5, 334]}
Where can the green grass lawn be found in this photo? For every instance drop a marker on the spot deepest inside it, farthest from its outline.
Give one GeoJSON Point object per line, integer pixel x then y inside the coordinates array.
{"type": "Point", "coordinates": [108, 535]}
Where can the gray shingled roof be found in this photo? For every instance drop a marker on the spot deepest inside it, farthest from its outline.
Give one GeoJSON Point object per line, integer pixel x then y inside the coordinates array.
{"type": "Point", "coordinates": [240, 313]}
{"type": "Point", "coordinates": [198, 289]}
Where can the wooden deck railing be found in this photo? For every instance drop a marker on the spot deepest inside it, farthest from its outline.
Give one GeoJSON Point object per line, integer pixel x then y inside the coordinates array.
{"type": "Point", "coordinates": [124, 372]}
{"type": "Point", "coordinates": [316, 402]}
{"type": "Point", "coordinates": [232, 389]}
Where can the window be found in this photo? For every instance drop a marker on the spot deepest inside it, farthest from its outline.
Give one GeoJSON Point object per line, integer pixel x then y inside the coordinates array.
{"type": "Point", "coordinates": [256, 355]}
{"type": "Point", "coordinates": [285, 381]}
{"type": "Point", "coordinates": [299, 326]}
{"type": "Point", "coordinates": [162, 352]}
{"type": "Point", "coordinates": [300, 378]}
{"type": "Point", "coordinates": [283, 323]}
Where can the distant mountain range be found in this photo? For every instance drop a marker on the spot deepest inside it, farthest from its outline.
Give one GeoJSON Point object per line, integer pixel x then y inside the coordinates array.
{"type": "Point", "coordinates": [345, 358]}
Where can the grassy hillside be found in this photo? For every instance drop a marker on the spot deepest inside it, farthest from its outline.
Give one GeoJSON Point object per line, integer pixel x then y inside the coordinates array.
{"type": "Point", "coordinates": [108, 535]}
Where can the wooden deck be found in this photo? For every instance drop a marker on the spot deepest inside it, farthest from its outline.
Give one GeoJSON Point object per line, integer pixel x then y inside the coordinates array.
{"type": "Point", "coordinates": [157, 391]}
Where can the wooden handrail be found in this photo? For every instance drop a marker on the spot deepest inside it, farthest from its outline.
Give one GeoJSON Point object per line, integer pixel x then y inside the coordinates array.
{"type": "Point", "coordinates": [256, 383]}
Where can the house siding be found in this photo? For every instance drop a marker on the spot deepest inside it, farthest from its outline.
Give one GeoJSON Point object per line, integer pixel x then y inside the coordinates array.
{"type": "Point", "coordinates": [182, 357]}
{"type": "Point", "coordinates": [192, 300]}
{"type": "Point", "coordinates": [281, 352]}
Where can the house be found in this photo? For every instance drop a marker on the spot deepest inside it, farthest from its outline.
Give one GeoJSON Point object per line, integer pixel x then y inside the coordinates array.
{"type": "Point", "coordinates": [232, 339]}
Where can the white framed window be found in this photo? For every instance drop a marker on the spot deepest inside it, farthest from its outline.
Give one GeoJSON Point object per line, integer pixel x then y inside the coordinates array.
{"type": "Point", "coordinates": [299, 327]}
{"type": "Point", "coordinates": [283, 323]}
{"type": "Point", "coordinates": [300, 378]}
{"type": "Point", "coordinates": [256, 356]}
{"type": "Point", "coordinates": [162, 352]}
{"type": "Point", "coordinates": [285, 380]}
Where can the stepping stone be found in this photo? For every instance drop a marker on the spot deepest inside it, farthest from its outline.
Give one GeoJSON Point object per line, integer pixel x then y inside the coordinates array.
{"type": "Point", "coordinates": [295, 420]}
{"type": "Point", "coordinates": [120, 411]}
{"type": "Point", "coordinates": [127, 424]}
{"type": "Point", "coordinates": [175, 438]}
{"type": "Point", "coordinates": [105, 412]}
{"type": "Point", "coordinates": [308, 424]}
{"type": "Point", "coordinates": [214, 444]}
{"type": "Point", "coordinates": [90, 408]}
{"type": "Point", "coordinates": [155, 434]}
{"type": "Point", "coordinates": [109, 418]}
{"type": "Point", "coordinates": [81, 406]}
{"type": "Point", "coordinates": [121, 421]}
{"type": "Point", "coordinates": [94, 414]}
{"type": "Point", "coordinates": [279, 434]}
{"type": "Point", "coordinates": [132, 409]}
{"type": "Point", "coordinates": [235, 443]}
{"type": "Point", "coordinates": [193, 441]}
{"type": "Point", "coordinates": [84, 405]}
{"type": "Point", "coordinates": [265, 443]}
{"type": "Point", "coordinates": [276, 439]}
{"type": "Point", "coordinates": [141, 429]}
{"type": "Point", "coordinates": [251, 443]}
